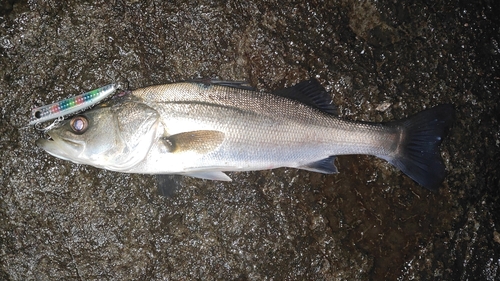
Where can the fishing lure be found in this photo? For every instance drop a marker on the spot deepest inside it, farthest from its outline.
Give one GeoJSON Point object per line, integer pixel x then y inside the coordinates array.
{"type": "Point", "coordinates": [68, 106]}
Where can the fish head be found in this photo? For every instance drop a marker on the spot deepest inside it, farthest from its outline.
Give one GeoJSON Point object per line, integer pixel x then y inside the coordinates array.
{"type": "Point", "coordinates": [115, 137]}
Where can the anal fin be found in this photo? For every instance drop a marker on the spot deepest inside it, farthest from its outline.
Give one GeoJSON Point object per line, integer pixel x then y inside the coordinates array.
{"type": "Point", "coordinates": [325, 166]}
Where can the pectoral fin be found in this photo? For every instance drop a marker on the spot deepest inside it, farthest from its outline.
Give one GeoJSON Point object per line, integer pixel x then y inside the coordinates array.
{"type": "Point", "coordinates": [202, 141]}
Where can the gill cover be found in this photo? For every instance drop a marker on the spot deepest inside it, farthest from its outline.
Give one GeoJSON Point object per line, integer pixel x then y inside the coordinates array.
{"type": "Point", "coordinates": [136, 123]}
{"type": "Point", "coordinates": [115, 137]}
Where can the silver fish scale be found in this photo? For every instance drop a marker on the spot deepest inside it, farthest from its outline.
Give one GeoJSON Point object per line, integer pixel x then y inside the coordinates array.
{"type": "Point", "coordinates": [261, 130]}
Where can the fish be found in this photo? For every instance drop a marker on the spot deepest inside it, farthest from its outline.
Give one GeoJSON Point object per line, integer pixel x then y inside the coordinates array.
{"type": "Point", "coordinates": [205, 128]}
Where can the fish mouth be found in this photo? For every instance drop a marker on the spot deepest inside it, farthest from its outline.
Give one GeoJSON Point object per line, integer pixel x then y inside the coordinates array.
{"type": "Point", "coordinates": [63, 148]}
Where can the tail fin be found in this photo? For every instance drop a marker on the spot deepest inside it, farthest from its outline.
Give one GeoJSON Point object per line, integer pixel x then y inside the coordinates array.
{"type": "Point", "coordinates": [419, 156]}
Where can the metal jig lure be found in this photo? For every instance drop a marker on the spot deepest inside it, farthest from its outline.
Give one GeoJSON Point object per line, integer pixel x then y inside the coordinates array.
{"type": "Point", "coordinates": [71, 105]}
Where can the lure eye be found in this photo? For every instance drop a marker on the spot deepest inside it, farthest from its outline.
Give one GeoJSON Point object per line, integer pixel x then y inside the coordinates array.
{"type": "Point", "coordinates": [79, 124]}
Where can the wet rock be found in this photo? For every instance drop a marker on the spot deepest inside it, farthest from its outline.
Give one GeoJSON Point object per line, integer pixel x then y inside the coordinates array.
{"type": "Point", "coordinates": [370, 222]}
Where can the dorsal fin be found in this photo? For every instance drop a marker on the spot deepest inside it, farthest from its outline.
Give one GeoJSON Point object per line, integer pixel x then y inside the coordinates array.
{"type": "Point", "coordinates": [310, 92]}
{"type": "Point", "coordinates": [231, 84]}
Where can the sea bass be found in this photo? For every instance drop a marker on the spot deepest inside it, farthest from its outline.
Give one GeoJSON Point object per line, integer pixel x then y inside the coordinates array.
{"type": "Point", "coordinates": [203, 129]}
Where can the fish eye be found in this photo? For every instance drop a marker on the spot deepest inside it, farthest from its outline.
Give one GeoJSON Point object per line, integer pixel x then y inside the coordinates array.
{"type": "Point", "coordinates": [79, 124]}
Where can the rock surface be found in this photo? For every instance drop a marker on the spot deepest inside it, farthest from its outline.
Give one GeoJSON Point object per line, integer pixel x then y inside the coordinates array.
{"type": "Point", "coordinates": [381, 60]}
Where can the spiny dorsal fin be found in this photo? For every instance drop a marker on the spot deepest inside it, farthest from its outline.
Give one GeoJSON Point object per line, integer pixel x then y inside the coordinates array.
{"type": "Point", "coordinates": [225, 83]}
{"type": "Point", "coordinates": [310, 92]}
{"type": "Point", "coordinates": [202, 141]}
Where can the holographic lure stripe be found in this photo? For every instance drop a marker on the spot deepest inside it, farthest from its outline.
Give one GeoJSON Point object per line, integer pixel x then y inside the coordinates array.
{"type": "Point", "coordinates": [71, 105]}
